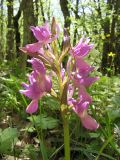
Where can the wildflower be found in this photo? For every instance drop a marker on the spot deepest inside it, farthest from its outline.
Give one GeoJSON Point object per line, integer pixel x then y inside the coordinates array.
{"type": "Point", "coordinates": [84, 80]}
{"type": "Point", "coordinates": [43, 33]}
{"type": "Point", "coordinates": [81, 80]}
{"type": "Point", "coordinates": [80, 107]}
{"type": "Point", "coordinates": [33, 48]}
{"type": "Point", "coordinates": [39, 84]}
{"type": "Point", "coordinates": [82, 48]}
{"type": "Point", "coordinates": [83, 67]}
{"type": "Point", "coordinates": [73, 84]}
{"type": "Point", "coordinates": [111, 54]}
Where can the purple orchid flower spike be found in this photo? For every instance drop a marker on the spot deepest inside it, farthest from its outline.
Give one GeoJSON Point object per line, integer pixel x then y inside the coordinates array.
{"type": "Point", "coordinates": [74, 78]}
{"type": "Point", "coordinates": [39, 85]}
{"type": "Point", "coordinates": [82, 48]}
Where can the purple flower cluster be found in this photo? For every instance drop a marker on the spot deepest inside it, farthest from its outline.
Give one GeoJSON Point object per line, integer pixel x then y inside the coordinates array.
{"type": "Point", "coordinates": [78, 75]}
{"type": "Point", "coordinates": [81, 81]}
{"type": "Point", "coordinates": [40, 83]}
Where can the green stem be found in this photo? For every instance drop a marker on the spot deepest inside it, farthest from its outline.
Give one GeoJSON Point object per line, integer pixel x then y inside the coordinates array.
{"type": "Point", "coordinates": [42, 146]}
{"type": "Point", "coordinates": [66, 137]}
{"type": "Point", "coordinates": [64, 117]}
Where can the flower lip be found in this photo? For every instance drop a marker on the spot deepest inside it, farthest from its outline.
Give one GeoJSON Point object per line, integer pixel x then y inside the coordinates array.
{"type": "Point", "coordinates": [89, 123]}
{"type": "Point", "coordinates": [32, 107]}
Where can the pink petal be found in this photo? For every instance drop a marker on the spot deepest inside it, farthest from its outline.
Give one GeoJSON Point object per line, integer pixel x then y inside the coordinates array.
{"type": "Point", "coordinates": [26, 93]}
{"type": "Point", "coordinates": [24, 85]}
{"type": "Point", "coordinates": [80, 107]}
{"type": "Point", "coordinates": [90, 80]}
{"type": "Point", "coordinates": [38, 65]}
{"type": "Point", "coordinates": [84, 95]}
{"type": "Point", "coordinates": [82, 48]}
{"type": "Point", "coordinates": [41, 33]}
{"type": "Point", "coordinates": [89, 123]}
{"type": "Point", "coordinates": [34, 47]}
{"type": "Point", "coordinates": [32, 107]}
{"type": "Point", "coordinates": [48, 84]}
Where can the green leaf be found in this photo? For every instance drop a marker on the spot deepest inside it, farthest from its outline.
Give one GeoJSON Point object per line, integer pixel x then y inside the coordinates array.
{"type": "Point", "coordinates": [44, 122]}
{"type": "Point", "coordinates": [113, 113]}
{"type": "Point", "coordinates": [7, 137]}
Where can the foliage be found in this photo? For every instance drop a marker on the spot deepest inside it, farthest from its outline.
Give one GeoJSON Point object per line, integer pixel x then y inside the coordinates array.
{"type": "Point", "coordinates": [43, 121]}
{"type": "Point", "coordinates": [8, 138]}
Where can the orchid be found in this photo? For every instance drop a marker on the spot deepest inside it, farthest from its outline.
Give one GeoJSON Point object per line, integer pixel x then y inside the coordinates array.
{"type": "Point", "coordinates": [44, 36]}
{"type": "Point", "coordinates": [72, 80]}
{"type": "Point", "coordinates": [33, 48]}
{"type": "Point", "coordinates": [82, 48]}
{"type": "Point", "coordinates": [39, 84]}
{"type": "Point", "coordinates": [80, 107]}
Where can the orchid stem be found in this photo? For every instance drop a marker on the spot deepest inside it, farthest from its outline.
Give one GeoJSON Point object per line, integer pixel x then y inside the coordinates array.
{"type": "Point", "coordinates": [65, 119]}
{"type": "Point", "coordinates": [66, 137]}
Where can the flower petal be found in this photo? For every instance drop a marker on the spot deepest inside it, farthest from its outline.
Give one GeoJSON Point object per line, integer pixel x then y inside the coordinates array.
{"type": "Point", "coordinates": [32, 107]}
{"type": "Point", "coordinates": [38, 65]}
{"type": "Point", "coordinates": [89, 123]}
{"type": "Point", "coordinates": [82, 48]}
{"type": "Point", "coordinates": [90, 80]}
{"type": "Point", "coordinates": [41, 33]}
{"type": "Point", "coordinates": [33, 47]}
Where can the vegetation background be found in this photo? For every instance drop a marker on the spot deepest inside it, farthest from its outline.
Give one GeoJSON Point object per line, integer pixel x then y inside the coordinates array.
{"type": "Point", "coordinates": [97, 19]}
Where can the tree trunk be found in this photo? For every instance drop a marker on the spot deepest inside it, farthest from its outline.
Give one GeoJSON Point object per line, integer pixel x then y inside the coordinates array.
{"type": "Point", "coordinates": [42, 10]}
{"type": "Point", "coordinates": [28, 20]}
{"type": "Point", "coordinates": [117, 38]}
{"type": "Point", "coordinates": [16, 27]}
{"type": "Point", "coordinates": [48, 11]}
{"type": "Point", "coordinates": [76, 17]}
{"type": "Point", "coordinates": [1, 33]}
{"type": "Point", "coordinates": [109, 45]}
{"type": "Point", "coordinates": [10, 32]}
{"type": "Point", "coordinates": [106, 46]}
{"type": "Point", "coordinates": [36, 12]}
{"type": "Point", "coordinates": [66, 13]}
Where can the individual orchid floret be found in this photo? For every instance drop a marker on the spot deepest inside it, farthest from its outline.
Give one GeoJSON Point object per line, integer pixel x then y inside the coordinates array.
{"type": "Point", "coordinates": [83, 67]}
{"type": "Point", "coordinates": [55, 29]}
{"type": "Point", "coordinates": [82, 48]}
{"type": "Point", "coordinates": [82, 102]}
{"type": "Point", "coordinates": [81, 75]}
{"type": "Point", "coordinates": [80, 107]}
{"type": "Point", "coordinates": [37, 65]}
{"type": "Point", "coordinates": [33, 49]}
{"type": "Point", "coordinates": [40, 83]}
{"type": "Point", "coordinates": [43, 33]}
{"type": "Point", "coordinates": [84, 80]}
